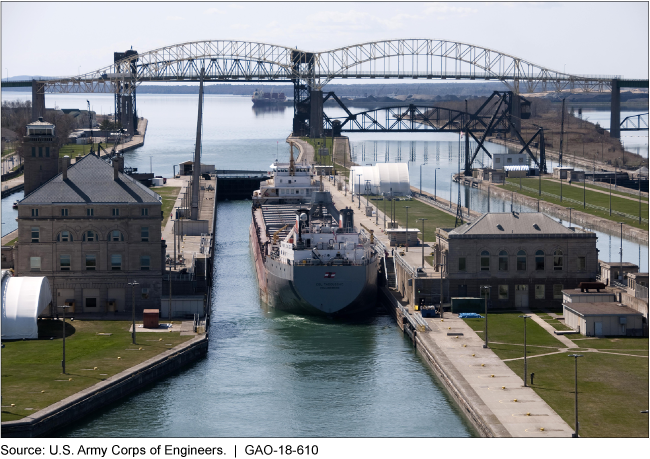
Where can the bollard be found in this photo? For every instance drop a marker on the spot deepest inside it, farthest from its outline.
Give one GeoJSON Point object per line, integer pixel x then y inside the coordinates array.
{"type": "Point", "coordinates": [532, 375]}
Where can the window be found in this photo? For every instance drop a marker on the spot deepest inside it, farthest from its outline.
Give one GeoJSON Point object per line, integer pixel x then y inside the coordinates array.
{"type": "Point", "coordinates": [91, 302]}
{"type": "Point", "coordinates": [47, 152]}
{"type": "Point", "coordinates": [36, 234]}
{"type": "Point", "coordinates": [145, 293]}
{"type": "Point", "coordinates": [91, 262]}
{"type": "Point", "coordinates": [540, 291]}
{"type": "Point", "coordinates": [509, 160]}
{"type": "Point", "coordinates": [64, 236]}
{"type": "Point", "coordinates": [503, 260]}
{"type": "Point", "coordinates": [145, 262]}
{"type": "Point", "coordinates": [461, 264]}
{"type": "Point", "coordinates": [144, 233]}
{"type": "Point", "coordinates": [521, 160]}
{"type": "Point", "coordinates": [34, 212]}
{"type": "Point", "coordinates": [116, 236]}
{"type": "Point", "coordinates": [497, 160]}
{"type": "Point", "coordinates": [64, 262]}
{"type": "Point", "coordinates": [503, 292]}
{"type": "Point", "coordinates": [558, 260]}
{"type": "Point", "coordinates": [90, 236]}
{"type": "Point", "coordinates": [116, 262]}
{"type": "Point", "coordinates": [145, 212]}
{"type": "Point", "coordinates": [557, 291]}
{"type": "Point", "coordinates": [34, 263]}
{"type": "Point", "coordinates": [64, 212]}
{"type": "Point", "coordinates": [90, 212]}
{"type": "Point", "coordinates": [485, 260]}
{"type": "Point", "coordinates": [116, 212]}
{"type": "Point", "coordinates": [582, 264]}
{"type": "Point", "coordinates": [40, 152]}
{"type": "Point", "coordinates": [521, 261]}
{"type": "Point", "coordinates": [539, 260]}
{"type": "Point", "coordinates": [33, 152]}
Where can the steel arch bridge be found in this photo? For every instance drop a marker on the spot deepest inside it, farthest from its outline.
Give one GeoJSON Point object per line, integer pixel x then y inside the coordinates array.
{"type": "Point", "coordinates": [229, 60]}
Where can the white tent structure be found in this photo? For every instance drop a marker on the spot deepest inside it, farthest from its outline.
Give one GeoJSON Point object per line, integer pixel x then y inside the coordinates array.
{"type": "Point", "coordinates": [23, 299]}
{"type": "Point", "coordinates": [381, 178]}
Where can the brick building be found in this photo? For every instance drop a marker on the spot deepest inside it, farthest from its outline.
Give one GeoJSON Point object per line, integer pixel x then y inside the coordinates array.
{"type": "Point", "coordinates": [92, 229]}
{"type": "Point", "coordinates": [40, 154]}
{"type": "Point", "coordinates": [527, 259]}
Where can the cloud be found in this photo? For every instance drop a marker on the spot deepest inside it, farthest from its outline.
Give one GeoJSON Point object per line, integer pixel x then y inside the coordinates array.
{"type": "Point", "coordinates": [214, 11]}
{"type": "Point", "coordinates": [349, 17]}
{"type": "Point", "coordinates": [396, 22]}
{"type": "Point", "coordinates": [447, 9]}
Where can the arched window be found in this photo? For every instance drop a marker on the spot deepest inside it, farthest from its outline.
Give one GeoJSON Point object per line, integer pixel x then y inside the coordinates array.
{"type": "Point", "coordinates": [503, 260]}
{"type": "Point", "coordinates": [558, 260]}
{"type": "Point", "coordinates": [485, 260]}
{"type": "Point", "coordinates": [90, 236]}
{"type": "Point", "coordinates": [64, 236]}
{"type": "Point", "coordinates": [539, 260]}
{"type": "Point", "coordinates": [521, 261]}
{"type": "Point", "coordinates": [116, 236]}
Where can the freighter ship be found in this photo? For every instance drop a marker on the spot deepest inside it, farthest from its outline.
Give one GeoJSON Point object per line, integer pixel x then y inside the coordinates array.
{"type": "Point", "coordinates": [309, 257]}
{"type": "Point", "coordinates": [268, 98]}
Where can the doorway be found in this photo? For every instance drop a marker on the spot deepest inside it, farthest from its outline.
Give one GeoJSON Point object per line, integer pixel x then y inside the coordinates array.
{"type": "Point", "coordinates": [521, 296]}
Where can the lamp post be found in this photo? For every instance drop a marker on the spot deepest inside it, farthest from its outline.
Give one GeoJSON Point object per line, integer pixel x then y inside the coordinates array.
{"type": "Point", "coordinates": [451, 180]}
{"type": "Point", "coordinates": [610, 197]}
{"type": "Point", "coordinates": [421, 178]}
{"type": "Point", "coordinates": [423, 219]}
{"type": "Point", "coordinates": [620, 272]}
{"type": "Point", "coordinates": [575, 357]}
{"type": "Point", "coordinates": [391, 207]}
{"type": "Point", "coordinates": [359, 190]}
{"type": "Point", "coordinates": [435, 182]}
{"type": "Point", "coordinates": [64, 307]}
{"type": "Point", "coordinates": [133, 284]}
{"type": "Point", "coordinates": [486, 287]}
{"type": "Point", "coordinates": [407, 227]}
{"type": "Point", "coordinates": [584, 199]}
{"type": "Point", "coordinates": [525, 361]}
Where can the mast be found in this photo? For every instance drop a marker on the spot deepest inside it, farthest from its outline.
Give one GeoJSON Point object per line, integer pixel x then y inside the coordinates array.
{"type": "Point", "coordinates": [196, 172]}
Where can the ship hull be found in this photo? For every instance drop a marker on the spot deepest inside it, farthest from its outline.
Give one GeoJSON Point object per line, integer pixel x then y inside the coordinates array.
{"type": "Point", "coordinates": [324, 290]}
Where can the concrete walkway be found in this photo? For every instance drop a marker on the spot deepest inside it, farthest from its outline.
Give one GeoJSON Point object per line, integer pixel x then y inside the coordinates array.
{"type": "Point", "coordinates": [550, 329]}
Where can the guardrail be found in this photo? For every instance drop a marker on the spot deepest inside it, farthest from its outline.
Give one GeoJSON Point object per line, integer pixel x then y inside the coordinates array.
{"type": "Point", "coordinates": [575, 201]}
{"type": "Point", "coordinates": [640, 292]}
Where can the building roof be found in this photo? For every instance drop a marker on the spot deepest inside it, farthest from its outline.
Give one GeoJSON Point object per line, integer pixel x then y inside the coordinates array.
{"type": "Point", "coordinates": [524, 223]}
{"type": "Point", "coordinates": [617, 264]}
{"type": "Point", "coordinates": [90, 180]}
{"type": "Point", "coordinates": [40, 122]}
{"type": "Point", "coordinates": [601, 309]}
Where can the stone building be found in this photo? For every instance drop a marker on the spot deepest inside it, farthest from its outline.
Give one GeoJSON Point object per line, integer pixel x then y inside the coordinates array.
{"type": "Point", "coordinates": [526, 259]}
{"type": "Point", "coordinates": [91, 230]}
{"type": "Point", "coordinates": [40, 154]}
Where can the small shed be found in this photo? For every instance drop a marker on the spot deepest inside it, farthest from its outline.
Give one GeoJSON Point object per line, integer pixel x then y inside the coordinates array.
{"type": "Point", "coordinates": [399, 236]}
{"type": "Point", "coordinates": [150, 318]}
{"type": "Point", "coordinates": [603, 319]}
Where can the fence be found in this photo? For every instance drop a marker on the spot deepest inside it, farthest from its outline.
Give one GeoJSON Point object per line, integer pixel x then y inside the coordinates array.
{"type": "Point", "coordinates": [575, 201]}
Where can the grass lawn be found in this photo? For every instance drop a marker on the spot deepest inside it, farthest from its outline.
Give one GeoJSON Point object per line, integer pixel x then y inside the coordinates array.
{"type": "Point", "coordinates": [169, 195]}
{"type": "Point", "coordinates": [612, 388]}
{"type": "Point", "coordinates": [76, 150]}
{"type": "Point", "coordinates": [8, 151]}
{"type": "Point", "coordinates": [435, 217]}
{"type": "Point", "coordinates": [31, 369]}
{"type": "Point", "coordinates": [620, 191]}
{"type": "Point", "coordinates": [575, 191]}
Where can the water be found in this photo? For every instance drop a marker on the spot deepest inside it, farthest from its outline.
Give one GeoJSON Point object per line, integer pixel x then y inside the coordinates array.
{"type": "Point", "coordinates": [268, 373]}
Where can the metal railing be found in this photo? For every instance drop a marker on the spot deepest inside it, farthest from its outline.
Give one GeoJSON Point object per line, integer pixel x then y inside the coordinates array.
{"type": "Point", "coordinates": [575, 201]}
{"type": "Point", "coordinates": [640, 291]}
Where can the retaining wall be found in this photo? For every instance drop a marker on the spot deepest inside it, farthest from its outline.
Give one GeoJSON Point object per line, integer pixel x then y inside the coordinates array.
{"type": "Point", "coordinates": [61, 414]}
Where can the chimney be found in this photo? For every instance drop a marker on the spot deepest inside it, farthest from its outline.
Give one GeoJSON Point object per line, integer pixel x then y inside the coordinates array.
{"type": "Point", "coordinates": [64, 168]}
{"type": "Point", "coordinates": [118, 166]}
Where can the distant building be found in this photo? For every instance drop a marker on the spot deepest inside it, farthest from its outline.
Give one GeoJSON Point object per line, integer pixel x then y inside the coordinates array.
{"type": "Point", "coordinates": [499, 160]}
{"type": "Point", "coordinates": [40, 154]}
{"type": "Point", "coordinates": [526, 259]}
{"type": "Point", "coordinates": [91, 230]}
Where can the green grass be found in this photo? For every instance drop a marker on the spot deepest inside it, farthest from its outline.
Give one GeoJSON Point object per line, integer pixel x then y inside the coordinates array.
{"type": "Point", "coordinates": [8, 151]}
{"type": "Point", "coordinates": [31, 369]}
{"type": "Point", "coordinates": [612, 388]}
{"type": "Point", "coordinates": [575, 191]}
{"type": "Point", "coordinates": [435, 217]}
{"type": "Point", "coordinates": [616, 191]}
{"type": "Point", "coordinates": [169, 195]}
{"type": "Point", "coordinates": [79, 150]}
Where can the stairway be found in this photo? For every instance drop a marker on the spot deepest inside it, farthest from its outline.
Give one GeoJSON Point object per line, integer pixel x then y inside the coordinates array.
{"type": "Point", "coordinates": [389, 265]}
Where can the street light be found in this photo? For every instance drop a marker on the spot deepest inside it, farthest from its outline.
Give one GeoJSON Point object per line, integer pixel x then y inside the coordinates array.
{"type": "Point", "coordinates": [575, 357]}
{"type": "Point", "coordinates": [525, 362]}
{"type": "Point", "coordinates": [486, 287]}
{"type": "Point", "coordinates": [423, 219]}
{"type": "Point", "coordinates": [421, 178]}
{"type": "Point", "coordinates": [435, 183]}
{"type": "Point", "coordinates": [133, 284]}
{"type": "Point", "coordinates": [64, 307]}
{"type": "Point", "coordinates": [359, 190]}
{"type": "Point", "coordinates": [407, 227]}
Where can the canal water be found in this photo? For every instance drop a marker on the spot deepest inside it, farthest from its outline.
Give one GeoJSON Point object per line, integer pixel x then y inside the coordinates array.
{"type": "Point", "coordinates": [268, 373]}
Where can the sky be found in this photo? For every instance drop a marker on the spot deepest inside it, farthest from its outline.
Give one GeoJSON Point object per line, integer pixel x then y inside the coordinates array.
{"type": "Point", "coordinates": [58, 39]}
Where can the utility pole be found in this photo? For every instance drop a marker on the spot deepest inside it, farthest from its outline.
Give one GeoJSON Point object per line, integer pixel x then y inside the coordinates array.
{"type": "Point", "coordinates": [407, 227]}
{"type": "Point", "coordinates": [575, 357]}
{"type": "Point", "coordinates": [423, 219]}
{"type": "Point", "coordinates": [561, 134]}
{"type": "Point", "coordinates": [133, 284]}
{"type": "Point", "coordinates": [525, 361]}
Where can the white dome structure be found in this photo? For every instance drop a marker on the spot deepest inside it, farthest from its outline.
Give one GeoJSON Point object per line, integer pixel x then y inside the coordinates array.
{"type": "Point", "coordinates": [380, 178]}
{"type": "Point", "coordinates": [23, 299]}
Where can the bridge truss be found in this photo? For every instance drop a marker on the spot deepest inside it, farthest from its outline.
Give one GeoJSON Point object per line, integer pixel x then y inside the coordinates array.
{"type": "Point", "coordinates": [635, 123]}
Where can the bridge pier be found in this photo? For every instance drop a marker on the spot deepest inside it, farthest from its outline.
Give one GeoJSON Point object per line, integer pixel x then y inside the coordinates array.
{"type": "Point", "coordinates": [316, 114]}
{"type": "Point", "coordinates": [615, 107]}
{"type": "Point", "coordinates": [38, 100]}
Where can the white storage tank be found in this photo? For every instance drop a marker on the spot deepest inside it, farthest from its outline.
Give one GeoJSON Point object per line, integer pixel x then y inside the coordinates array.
{"type": "Point", "coordinates": [157, 181]}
